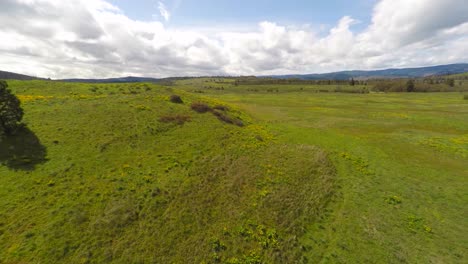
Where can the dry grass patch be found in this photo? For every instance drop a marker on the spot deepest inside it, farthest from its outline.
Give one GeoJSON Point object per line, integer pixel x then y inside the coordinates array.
{"type": "Point", "coordinates": [177, 119]}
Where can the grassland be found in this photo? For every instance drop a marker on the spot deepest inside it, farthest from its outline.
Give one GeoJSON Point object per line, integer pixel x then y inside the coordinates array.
{"type": "Point", "coordinates": [96, 177]}
{"type": "Point", "coordinates": [402, 168]}
{"type": "Point", "coordinates": [107, 173]}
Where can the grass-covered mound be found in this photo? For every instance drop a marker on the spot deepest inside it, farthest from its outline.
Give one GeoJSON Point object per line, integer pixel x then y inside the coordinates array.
{"type": "Point", "coordinates": [122, 173]}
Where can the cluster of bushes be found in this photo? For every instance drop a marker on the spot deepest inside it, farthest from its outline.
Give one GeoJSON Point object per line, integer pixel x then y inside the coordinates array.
{"type": "Point", "coordinates": [420, 85]}
{"type": "Point", "coordinates": [197, 91]}
{"type": "Point", "coordinates": [227, 119]}
{"type": "Point", "coordinates": [200, 107]}
{"type": "Point", "coordinates": [252, 80]}
{"type": "Point", "coordinates": [219, 111]}
{"type": "Point", "coordinates": [214, 88]}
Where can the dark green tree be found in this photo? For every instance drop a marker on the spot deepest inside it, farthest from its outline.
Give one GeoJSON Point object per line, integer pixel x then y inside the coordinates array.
{"type": "Point", "coordinates": [410, 86]}
{"type": "Point", "coordinates": [10, 111]}
{"type": "Point", "coordinates": [352, 82]}
{"type": "Point", "coordinates": [450, 82]}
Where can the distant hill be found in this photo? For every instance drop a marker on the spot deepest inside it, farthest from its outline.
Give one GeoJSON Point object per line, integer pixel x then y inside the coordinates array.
{"type": "Point", "coordinates": [129, 79]}
{"type": "Point", "coordinates": [440, 70]}
{"type": "Point", "coordinates": [388, 73]}
{"type": "Point", "coordinates": [15, 76]}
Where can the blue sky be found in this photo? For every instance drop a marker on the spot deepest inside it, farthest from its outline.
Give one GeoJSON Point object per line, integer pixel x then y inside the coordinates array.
{"type": "Point", "coordinates": [161, 38]}
{"type": "Point", "coordinates": [188, 13]}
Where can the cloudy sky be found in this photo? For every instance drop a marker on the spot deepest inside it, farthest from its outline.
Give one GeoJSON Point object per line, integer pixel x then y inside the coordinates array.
{"type": "Point", "coordinates": [109, 38]}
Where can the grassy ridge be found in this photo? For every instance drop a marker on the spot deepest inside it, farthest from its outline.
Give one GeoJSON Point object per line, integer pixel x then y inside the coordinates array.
{"type": "Point", "coordinates": [401, 162]}
{"type": "Point", "coordinates": [101, 179]}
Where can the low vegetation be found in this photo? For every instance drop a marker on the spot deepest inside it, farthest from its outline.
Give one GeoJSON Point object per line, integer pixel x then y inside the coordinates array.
{"type": "Point", "coordinates": [177, 119]}
{"type": "Point", "coordinates": [176, 99]}
{"type": "Point", "coordinates": [201, 107]}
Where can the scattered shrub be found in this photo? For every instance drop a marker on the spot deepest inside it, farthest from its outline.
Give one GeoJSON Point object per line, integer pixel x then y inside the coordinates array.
{"type": "Point", "coordinates": [176, 99]}
{"type": "Point", "coordinates": [217, 245]}
{"type": "Point", "coordinates": [465, 97]}
{"type": "Point", "coordinates": [177, 119]}
{"type": "Point", "coordinates": [200, 107]}
{"type": "Point", "coordinates": [393, 200]}
{"type": "Point", "coordinates": [226, 119]}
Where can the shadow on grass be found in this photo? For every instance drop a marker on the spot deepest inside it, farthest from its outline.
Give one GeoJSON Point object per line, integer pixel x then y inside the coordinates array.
{"type": "Point", "coordinates": [22, 151]}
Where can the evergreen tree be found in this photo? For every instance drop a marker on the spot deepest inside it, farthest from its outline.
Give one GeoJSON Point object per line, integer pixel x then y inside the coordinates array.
{"type": "Point", "coordinates": [410, 86]}
{"type": "Point", "coordinates": [10, 110]}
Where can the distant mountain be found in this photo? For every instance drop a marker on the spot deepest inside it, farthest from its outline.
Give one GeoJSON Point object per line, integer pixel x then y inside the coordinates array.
{"type": "Point", "coordinates": [388, 73]}
{"type": "Point", "coordinates": [15, 76]}
{"type": "Point", "coordinates": [342, 75]}
{"type": "Point", "coordinates": [129, 79]}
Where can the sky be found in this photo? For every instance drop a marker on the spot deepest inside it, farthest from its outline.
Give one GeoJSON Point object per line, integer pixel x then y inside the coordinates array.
{"type": "Point", "coordinates": [110, 38]}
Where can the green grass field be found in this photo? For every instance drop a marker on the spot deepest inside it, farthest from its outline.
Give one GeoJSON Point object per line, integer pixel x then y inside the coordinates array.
{"type": "Point", "coordinates": [312, 176]}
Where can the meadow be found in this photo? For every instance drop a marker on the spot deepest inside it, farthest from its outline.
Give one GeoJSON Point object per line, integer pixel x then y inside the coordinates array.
{"type": "Point", "coordinates": [401, 160]}
{"type": "Point", "coordinates": [117, 173]}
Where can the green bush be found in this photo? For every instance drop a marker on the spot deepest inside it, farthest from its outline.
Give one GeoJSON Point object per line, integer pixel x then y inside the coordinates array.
{"type": "Point", "coordinates": [227, 119]}
{"type": "Point", "coordinates": [200, 107]}
{"type": "Point", "coordinates": [10, 111]}
{"type": "Point", "coordinates": [176, 99]}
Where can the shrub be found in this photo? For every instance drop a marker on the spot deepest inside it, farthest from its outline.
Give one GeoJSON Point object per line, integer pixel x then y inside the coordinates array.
{"type": "Point", "coordinates": [226, 119]}
{"type": "Point", "coordinates": [10, 111]}
{"type": "Point", "coordinates": [465, 97]}
{"type": "Point", "coordinates": [176, 99]}
{"type": "Point", "coordinates": [177, 119]}
{"type": "Point", "coordinates": [200, 107]}
{"type": "Point", "coordinates": [393, 200]}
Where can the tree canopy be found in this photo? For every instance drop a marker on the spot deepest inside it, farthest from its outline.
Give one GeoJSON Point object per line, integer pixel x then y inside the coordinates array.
{"type": "Point", "coordinates": [11, 112]}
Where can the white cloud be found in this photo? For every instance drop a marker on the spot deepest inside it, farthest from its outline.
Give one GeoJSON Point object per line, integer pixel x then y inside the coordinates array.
{"type": "Point", "coordinates": [163, 11]}
{"type": "Point", "coordinates": [50, 38]}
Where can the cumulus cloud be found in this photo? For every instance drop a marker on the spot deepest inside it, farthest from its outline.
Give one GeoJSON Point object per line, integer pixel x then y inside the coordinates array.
{"type": "Point", "coordinates": [92, 38]}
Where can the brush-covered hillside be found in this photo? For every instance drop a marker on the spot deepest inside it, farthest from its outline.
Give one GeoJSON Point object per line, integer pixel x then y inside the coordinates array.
{"type": "Point", "coordinates": [118, 173]}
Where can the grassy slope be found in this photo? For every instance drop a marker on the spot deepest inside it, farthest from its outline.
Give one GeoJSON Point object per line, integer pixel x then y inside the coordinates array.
{"type": "Point", "coordinates": [455, 76]}
{"type": "Point", "coordinates": [96, 178]}
{"type": "Point", "coordinates": [401, 161]}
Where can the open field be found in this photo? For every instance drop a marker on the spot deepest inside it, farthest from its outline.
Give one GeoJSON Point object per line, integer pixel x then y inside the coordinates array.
{"type": "Point", "coordinates": [117, 173]}
{"type": "Point", "coordinates": [97, 177]}
{"type": "Point", "coordinates": [402, 168]}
